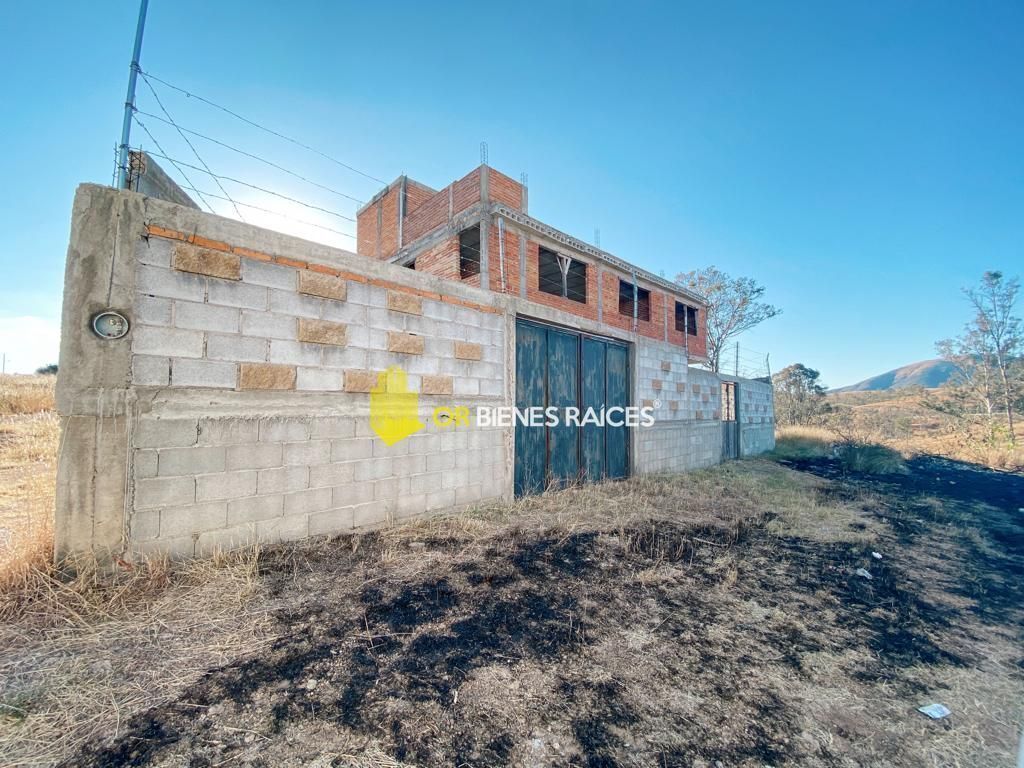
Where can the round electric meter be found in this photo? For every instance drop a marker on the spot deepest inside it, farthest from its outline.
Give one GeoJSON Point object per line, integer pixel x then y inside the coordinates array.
{"type": "Point", "coordinates": [110, 325]}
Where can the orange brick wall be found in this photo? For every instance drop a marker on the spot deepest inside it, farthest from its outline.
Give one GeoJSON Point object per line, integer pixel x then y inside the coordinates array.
{"type": "Point", "coordinates": [441, 260]}
{"type": "Point", "coordinates": [431, 214]}
{"type": "Point", "coordinates": [504, 189]}
{"type": "Point", "coordinates": [366, 227]}
{"type": "Point", "coordinates": [415, 195]}
{"type": "Point", "coordinates": [466, 191]}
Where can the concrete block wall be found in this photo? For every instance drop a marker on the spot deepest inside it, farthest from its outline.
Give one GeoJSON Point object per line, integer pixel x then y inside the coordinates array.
{"type": "Point", "coordinates": [238, 405]}
{"type": "Point", "coordinates": [662, 378]}
{"type": "Point", "coordinates": [214, 319]}
{"type": "Point", "coordinates": [757, 417]}
{"type": "Point", "coordinates": [687, 433]}
{"type": "Point", "coordinates": [208, 482]}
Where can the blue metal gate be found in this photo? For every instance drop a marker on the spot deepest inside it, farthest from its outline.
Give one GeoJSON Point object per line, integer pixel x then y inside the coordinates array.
{"type": "Point", "coordinates": [561, 368]}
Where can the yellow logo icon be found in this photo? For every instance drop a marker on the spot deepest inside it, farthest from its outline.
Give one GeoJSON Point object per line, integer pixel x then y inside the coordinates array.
{"type": "Point", "coordinates": [393, 407]}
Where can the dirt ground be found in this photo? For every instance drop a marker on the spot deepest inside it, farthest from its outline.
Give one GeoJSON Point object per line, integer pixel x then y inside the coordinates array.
{"type": "Point", "coordinates": [710, 619]}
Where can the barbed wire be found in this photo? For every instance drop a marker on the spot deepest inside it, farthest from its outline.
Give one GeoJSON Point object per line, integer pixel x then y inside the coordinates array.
{"type": "Point", "coordinates": [254, 124]}
{"type": "Point", "coordinates": [190, 145]}
{"type": "Point", "coordinates": [275, 213]}
{"type": "Point", "coordinates": [256, 157]}
{"type": "Point", "coordinates": [177, 161]}
{"type": "Point", "coordinates": [182, 172]}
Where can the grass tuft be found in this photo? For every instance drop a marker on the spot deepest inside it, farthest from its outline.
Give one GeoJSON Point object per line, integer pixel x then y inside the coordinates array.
{"type": "Point", "coordinates": [870, 459]}
{"type": "Point", "coordinates": [803, 443]}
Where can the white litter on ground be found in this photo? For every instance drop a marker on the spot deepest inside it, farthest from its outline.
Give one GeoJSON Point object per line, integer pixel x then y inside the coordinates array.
{"type": "Point", "coordinates": [935, 711]}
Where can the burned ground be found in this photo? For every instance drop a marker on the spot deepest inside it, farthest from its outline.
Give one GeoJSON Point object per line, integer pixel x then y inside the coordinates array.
{"type": "Point", "coordinates": [712, 624]}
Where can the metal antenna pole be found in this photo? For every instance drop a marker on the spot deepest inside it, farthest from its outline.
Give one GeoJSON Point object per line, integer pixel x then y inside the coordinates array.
{"type": "Point", "coordinates": [129, 102]}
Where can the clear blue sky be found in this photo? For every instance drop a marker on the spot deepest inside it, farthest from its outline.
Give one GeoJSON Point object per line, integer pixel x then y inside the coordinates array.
{"type": "Point", "coordinates": [864, 161]}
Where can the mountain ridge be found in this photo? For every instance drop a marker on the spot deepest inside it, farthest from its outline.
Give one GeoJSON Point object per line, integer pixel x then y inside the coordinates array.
{"type": "Point", "coordinates": [924, 373]}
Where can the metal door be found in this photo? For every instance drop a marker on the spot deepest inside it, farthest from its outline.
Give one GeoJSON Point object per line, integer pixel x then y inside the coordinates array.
{"type": "Point", "coordinates": [561, 368]}
{"type": "Point", "coordinates": [617, 437]}
{"type": "Point", "coordinates": [531, 390]}
{"type": "Point", "coordinates": [730, 422]}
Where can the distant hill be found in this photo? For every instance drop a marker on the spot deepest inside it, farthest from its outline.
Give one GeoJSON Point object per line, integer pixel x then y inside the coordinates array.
{"type": "Point", "coordinates": [927, 373]}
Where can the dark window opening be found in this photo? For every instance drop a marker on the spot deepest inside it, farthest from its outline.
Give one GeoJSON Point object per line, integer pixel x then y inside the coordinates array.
{"type": "Point", "coordinates": [469, 252]}
{"type": "Point", "coordinates": [686, 319]}
{"type": "Point", "coordinates": [561, 276]}
{"type": "Point", "coordinates": [643, 301]}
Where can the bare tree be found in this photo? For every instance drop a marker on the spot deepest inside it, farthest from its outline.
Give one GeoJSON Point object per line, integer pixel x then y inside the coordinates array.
{"type": "Point", "coordinates": [986, 354]}
{"type": "Point", "coordinates": [734, 306]}
{"type": "Point", "coordinates": [993, 304]}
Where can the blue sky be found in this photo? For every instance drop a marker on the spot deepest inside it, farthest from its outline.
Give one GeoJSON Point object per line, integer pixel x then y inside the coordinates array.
{"type": "Point", "coordinates": [864, 161]}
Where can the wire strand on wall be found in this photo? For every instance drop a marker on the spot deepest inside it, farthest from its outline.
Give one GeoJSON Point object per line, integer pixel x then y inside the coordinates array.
{"type": "Point", "coordinates": [173, 162]}
{"type": "Point", "coordinates": [274, 213]}
{"type": "Point", "coordinates": [187, 141]}
{"type": "Point", "coordinates": [254, 124]}
{"type": "Point", "coordinates": [253, 186]}
{"type": "Point", "coordinates": [254, 157]}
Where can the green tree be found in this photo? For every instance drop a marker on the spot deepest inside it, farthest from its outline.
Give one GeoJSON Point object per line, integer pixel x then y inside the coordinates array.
{"type": "Point", "coordinates": [799, 396]}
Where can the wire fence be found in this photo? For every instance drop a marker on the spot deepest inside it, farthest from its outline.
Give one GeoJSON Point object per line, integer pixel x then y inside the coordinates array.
{"type": "Point", "coordinates": [739, 360]}
{"type": "Point", "coordinates": [236, 186]}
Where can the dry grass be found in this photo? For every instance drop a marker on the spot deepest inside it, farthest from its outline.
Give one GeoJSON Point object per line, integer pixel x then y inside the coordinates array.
{"type": "Point", "coordinates": [84, 649]}
{"type": "Point", "coordinates": [859, 454]}
{"type": "Point", "coordinates": [82, 653]}
{"type": "Point", "coordinates": [803, 442]}
{"type": "Point", "coordinates": [28, 457]}
{"type": "Point", "coordinates": [902, 420]}
{"type": "Point", "coordinates": [26, 394]}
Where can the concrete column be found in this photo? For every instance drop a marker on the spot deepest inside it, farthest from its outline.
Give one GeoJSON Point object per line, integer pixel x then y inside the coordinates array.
{"type": "Point", "coordinates": [93, 395]}
{"type": "Point", "coordinates": [485, 264]}
{"type": "Point", "coordinates": [485, 227]}
{"type": "Point", "coordinates": [522, 265]}
{"type": "Point", "coordinates": [402, 192]}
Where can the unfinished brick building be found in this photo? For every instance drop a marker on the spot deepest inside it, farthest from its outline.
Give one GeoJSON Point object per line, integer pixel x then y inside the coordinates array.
{"type": "Point", "coordinates": [216, 379]}
{"type": "Point", "coordinates": [477, 230]}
